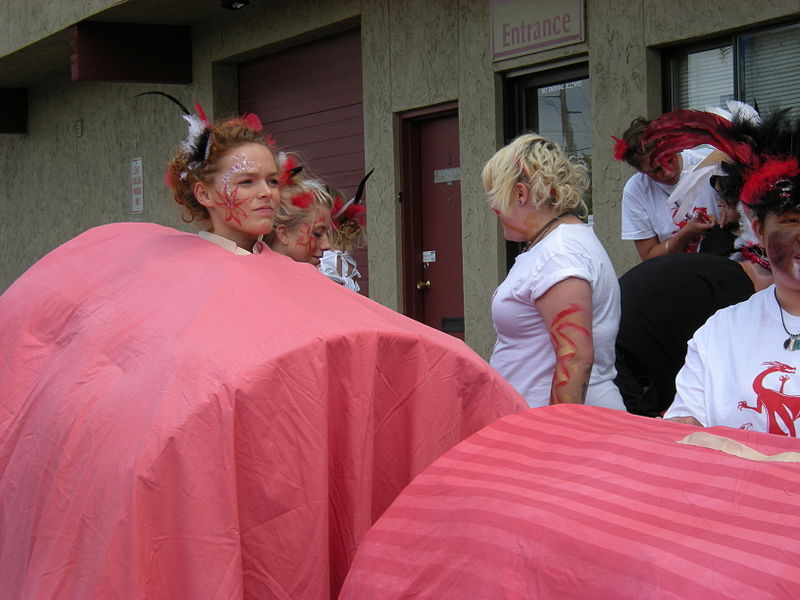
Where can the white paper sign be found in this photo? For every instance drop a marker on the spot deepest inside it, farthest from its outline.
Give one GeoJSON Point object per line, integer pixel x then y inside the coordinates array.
{"type": "Point", "coordinates": [429, 256]}
{"type": "Point", "coordinates": [137, 187]}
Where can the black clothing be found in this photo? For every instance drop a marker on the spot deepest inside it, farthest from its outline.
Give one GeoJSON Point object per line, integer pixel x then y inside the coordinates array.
{"type": "Point", "coordinates": [664, 301]}
{"type": "Point", "coordinates": [718, 241]}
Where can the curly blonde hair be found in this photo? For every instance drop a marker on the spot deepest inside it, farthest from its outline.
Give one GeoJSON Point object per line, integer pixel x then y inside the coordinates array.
{"type": "Point", "coordinates": [551, 176]}
{"type": "Point", "coordinates": [290, 213]}
{"type": "Point", "coordinates": [183, 174]}
{"type": "Point", "coordinates": [348, 233]}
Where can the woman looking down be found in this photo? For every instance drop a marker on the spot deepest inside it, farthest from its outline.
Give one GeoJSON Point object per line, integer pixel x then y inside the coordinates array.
{"type": "Point", "coordinates": [557, 312]}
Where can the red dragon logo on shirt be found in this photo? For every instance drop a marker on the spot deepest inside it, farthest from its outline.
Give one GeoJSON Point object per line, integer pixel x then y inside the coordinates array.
{"type": "Point", "coordinates": [781, 410]}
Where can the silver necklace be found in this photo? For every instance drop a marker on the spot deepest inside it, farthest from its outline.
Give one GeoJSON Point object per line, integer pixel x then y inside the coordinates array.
{"type": "Point", "coordinates": [793, 341]}
{"type": "Point", "coordinates": [541, 231]}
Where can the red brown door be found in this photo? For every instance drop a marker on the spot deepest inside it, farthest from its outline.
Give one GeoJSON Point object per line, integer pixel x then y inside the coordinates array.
{"type": "Point", "coordinates": [434, 285]}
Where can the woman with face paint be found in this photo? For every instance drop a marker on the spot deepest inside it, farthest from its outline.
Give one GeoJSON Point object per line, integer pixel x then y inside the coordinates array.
{"type": "Point", "coordinates": [557, 312]}
{"type": "Point", "coordinates": [224, 175]}
{"type": "Point", "coordinates": [741, 366]}
{"type": "Point", "coordinates": [302, 221]}
{"type": "Point", "coordinates": [664, 209]}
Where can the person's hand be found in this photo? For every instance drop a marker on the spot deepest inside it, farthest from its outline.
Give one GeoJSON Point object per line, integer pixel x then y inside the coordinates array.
{"type": "Point", "coordinates": [698, 224]}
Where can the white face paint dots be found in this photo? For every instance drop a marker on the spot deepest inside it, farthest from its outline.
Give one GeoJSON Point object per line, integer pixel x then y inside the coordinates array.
{"type": "Point", "coordinates": [241, 164]}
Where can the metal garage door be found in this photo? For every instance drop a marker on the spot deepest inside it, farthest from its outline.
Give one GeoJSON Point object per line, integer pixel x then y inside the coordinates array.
{"type": "Point", "coordinates": [310, 99]}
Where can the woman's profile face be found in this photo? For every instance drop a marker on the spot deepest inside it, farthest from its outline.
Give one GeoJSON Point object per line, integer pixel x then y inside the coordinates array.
{"type": "Point", "coordinates": [308, 240]}
{"type": "Point", "coordinates": [243, 194]}
{"type": "Point", "coordinates": [517, 221]}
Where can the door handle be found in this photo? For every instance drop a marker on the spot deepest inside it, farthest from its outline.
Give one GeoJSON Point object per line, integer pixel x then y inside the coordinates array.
{"type": "Point", "coordinates": [424, 285]}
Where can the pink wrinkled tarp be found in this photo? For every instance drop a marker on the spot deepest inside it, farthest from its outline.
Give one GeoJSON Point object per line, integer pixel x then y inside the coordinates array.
{"type": "Point", "coordinates": [180, 422]}
{"type": "Point", "coordinates": [577, 502]}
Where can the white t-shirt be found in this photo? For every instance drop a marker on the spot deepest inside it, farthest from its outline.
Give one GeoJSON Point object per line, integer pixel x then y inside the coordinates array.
{"type": "Point", "coordinates": [648, 210]}
{"type": "Point", "coordinates": [523, 353]}
{"type": "Point", "coordinates": [737, 372]}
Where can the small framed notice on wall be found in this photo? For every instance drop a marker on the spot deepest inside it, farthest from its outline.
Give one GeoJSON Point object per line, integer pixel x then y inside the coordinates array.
{"type": "Point", "coordinates": [137, 187]}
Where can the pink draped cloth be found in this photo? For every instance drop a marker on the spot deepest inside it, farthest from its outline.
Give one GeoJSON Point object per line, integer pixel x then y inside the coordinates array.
{"type": "Point", "coordinates": [177, 421]}
{"type": "Point", "coordinates": [576, 502]}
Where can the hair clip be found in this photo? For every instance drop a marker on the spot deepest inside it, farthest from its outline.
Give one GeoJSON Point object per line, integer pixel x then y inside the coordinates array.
{"type": "Point", "coordinates": [289, 169]}
{"type": "Point", "coordinates": [620, 148]}
{"type": "Point", "coordinates": [303, 199]}
{"type": "Point", "coordinates": [341, 210]}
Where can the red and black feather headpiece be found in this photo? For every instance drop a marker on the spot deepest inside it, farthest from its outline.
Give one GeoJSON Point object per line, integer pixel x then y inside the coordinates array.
{"type": "Point", "coordinates": [763, 165]}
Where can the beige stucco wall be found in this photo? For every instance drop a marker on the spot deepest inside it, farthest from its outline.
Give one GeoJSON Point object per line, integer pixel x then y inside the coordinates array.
{"type": "Point", "coordinates": [32, 20]}
{"type": "Point", "coordinates": [71, 171]}
{"type": "Point", "coordinates": [416, 53]}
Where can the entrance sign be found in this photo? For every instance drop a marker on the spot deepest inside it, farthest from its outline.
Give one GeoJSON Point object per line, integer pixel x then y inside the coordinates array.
{"type": "Point", "coordinates": [526, 26]}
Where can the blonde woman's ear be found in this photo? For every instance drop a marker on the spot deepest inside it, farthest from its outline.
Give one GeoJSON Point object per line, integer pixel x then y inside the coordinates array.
{"type": "Point", "coordinates": [521, 194]}
{"type": "Point", "coordinates": [282, 235]}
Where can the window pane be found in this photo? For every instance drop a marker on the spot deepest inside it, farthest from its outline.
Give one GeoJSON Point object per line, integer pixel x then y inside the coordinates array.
{"type": "Point", "coordinates": [554, 104]}
{"type": "Point", "coordinates": [772, 68]}
{"type": "Point", "coordinates": [703, 79]}
{"type": "Point", "coordinates": [564, 117]}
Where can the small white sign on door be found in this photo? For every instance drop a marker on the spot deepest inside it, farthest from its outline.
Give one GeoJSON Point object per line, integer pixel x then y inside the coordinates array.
{"type": "Point", "coordinates": [429, 256]}
{"type": "Point", "coordinates": [447, 175]}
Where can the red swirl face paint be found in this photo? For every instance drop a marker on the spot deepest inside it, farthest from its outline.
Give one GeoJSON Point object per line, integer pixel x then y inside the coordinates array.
{"type": "Point", "coordinates": [310, 238]}
{"type": "Point", "coordinates": [232, 205]}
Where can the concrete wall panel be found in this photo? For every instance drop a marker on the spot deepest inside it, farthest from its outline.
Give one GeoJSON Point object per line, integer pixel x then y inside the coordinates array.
{"type": "Point", "coordinates": [380, 152]}
{"type": "Point", "coordinates": [30, 21]}
{"type": "Point", "coordinates": [424, 46]}
{"type": "Point", "coordinates": [481, 134]}
{"type": "Point", "coordinates": [71, 171]}
{"type": "Point", "coordinates": [700, 19]}
{"type": "Point", "coordinates": [623, 87]}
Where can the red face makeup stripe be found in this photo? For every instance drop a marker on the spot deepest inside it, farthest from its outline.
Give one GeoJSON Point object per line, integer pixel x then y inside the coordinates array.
{"type": "Point", "coordinates": [305, 239]}
{"type": "Point", "coordinates": [565, 333]}
{"type": "Point", "coordinates": [232, 205]}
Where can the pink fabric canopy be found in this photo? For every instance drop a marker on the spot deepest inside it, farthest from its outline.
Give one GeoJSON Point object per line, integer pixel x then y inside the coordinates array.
{"type": "Point", "coordinates": [576, 502]}
{"type": "Point", "coordinates": [177, 421]}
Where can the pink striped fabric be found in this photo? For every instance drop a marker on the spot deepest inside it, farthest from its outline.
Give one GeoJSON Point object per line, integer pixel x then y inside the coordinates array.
{"type": "Point", "coordinates": [581, 502]}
